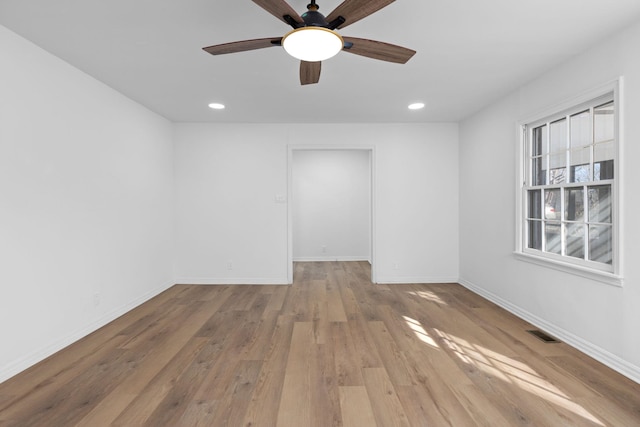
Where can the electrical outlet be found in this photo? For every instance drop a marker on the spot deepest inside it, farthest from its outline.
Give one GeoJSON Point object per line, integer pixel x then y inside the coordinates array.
{"type": "Point", "coordinates": [96, 299]}
{"type": "Point", "coordinates": [324, 249]}
{"type": "Point", "coordinates": [396, 266]}
{"type": "Point", "coordinates": [229, 265]}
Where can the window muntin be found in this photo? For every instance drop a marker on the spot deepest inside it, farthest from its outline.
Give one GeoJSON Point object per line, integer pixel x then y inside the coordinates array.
{"type": "Point", "coordinates": [569, 186]}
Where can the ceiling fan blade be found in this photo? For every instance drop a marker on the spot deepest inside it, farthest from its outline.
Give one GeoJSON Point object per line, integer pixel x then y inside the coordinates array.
{"type": "Point", "coordinates": [242, 46]}
{"type": "Point", "coordinates": [279, 8]}
{"type": "Point", "coordinates": [309, 72]}
{"type": "Point", "coordinates": [355, 10]}
{"type": "Point", "coordinates": [378, 50]}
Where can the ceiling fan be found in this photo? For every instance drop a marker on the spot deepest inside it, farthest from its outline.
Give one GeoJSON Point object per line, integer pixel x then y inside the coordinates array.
{"type": "Point", "coordinates": [314, 39]}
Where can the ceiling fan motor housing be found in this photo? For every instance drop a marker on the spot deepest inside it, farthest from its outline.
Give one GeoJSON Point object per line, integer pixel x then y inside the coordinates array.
{"type": "Point", "coordinates": [313, 18]}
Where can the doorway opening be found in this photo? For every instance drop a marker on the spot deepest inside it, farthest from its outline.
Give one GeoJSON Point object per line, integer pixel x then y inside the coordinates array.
{"type": "Point", "coordinates": [331, 205]}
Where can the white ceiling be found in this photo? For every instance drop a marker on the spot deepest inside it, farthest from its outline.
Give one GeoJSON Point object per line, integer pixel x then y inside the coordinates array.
{"type": "Point", "coordinates": [469, 53]}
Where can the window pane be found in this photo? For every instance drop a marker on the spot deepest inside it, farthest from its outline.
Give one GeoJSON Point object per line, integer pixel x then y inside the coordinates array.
{"type": "Point", "coordinates": [603, 170]}
{"type": "Point", "coordinates": [600, 243]}
{"type": "Point", "coordinates": [580, 173]}
{"type": "Point", "coordinates": [538, 173]}
{"type": "Point", "coordinates": [552, 204]}
{"type": "Point", "coordinates": [580, 156]}
{"type": "Point", "coordinates": [575, 240]}
{"type": "Point", "coordinates": [580, 165]}
{"type": "Point", "coordinates": [600, 203]}
{"type": "Point", "coordinates": [574, 204]}
{"type": "Point", "coordinates": [535, 210]}
{"type": "Point", "coordinates": [552, 236]}
{"type": "Point", "coordinates": [539, 141]}
{"type": "Point", "coordinates": [558, 136]}
{"type": "Point", "coordinates": [558, 160]}
{"type": "Point", "coordinates": [603, 151]}
{"type": "Point", "coordinates": [603, 161]}
{"type": "Point", "coordinates": [557, 168]}
{"type": "Point", "coordinates": [535, 235]}
{"type": "Point", "coordinates": [580, 129]}
{"type": "Point", "coordinates": [603, 123]}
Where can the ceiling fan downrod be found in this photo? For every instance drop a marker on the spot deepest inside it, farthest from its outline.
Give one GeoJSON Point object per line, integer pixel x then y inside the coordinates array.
{"type": "Point", "coordinates": [313, 18]}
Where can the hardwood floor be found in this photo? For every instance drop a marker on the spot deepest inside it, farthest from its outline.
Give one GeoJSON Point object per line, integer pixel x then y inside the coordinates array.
{"type": "Point", "coordinates": [331, 350]}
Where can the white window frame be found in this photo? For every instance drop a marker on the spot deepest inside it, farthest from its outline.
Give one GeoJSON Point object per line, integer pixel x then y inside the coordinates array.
{"type": "Point", "coordinates": [597, 271]}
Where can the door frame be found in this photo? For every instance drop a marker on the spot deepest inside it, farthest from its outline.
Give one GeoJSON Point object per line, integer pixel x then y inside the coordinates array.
{"type": "Point", "coordinates": [372, 208]}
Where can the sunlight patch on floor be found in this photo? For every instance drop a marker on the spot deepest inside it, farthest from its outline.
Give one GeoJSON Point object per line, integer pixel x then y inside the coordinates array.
{"type": "Point", "coordinates": [431, 296]}
{"type": "Point", "coordinates": [512, 371]}
{"type": "Point", "coordinates": [420, 332]}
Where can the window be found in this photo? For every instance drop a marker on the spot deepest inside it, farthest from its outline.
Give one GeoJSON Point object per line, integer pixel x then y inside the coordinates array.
{"type": "Point", "coordinates": [569, 193]}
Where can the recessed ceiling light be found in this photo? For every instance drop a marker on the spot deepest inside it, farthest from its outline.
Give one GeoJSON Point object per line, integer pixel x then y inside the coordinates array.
{"type": "Point", "coordinates": [216, 106]}
{"type": "Point", "coordinates": [416, 106]}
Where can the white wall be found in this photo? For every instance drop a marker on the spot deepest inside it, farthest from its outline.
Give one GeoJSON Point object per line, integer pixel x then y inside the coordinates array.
{"type": "Point", "coordinates": [600, 319]}
{"type": "Point", "coordinates": [331, 205]}
{"type": "Point", "coordinates": [85, 208]}
{"type": "Point", "coordinates": [228, 178]}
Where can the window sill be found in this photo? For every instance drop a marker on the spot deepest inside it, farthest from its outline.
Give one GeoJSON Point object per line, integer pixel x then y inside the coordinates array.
{"type": "Point", "coordinates": [589, 273]}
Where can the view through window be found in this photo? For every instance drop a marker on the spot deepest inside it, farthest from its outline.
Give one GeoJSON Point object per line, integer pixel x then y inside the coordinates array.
{"type": "Point", "coordinates": [569, 197]}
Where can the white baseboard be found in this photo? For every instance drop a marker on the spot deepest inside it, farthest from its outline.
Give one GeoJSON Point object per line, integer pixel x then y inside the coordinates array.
{"type": "Point", "coordinates": [392, 280]}
{"type": "Point", "coordinates": [231, 281]}
{"type": "Point", "coordinates": [603, 356]}
{"type": "Point", "coordinates": [331, 258]}
{"type": "Point", "coordinates": [29, 360]}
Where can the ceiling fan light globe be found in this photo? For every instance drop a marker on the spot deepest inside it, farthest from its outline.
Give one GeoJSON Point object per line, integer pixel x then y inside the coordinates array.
{"type": "Point", "coordinates": [312, 44]}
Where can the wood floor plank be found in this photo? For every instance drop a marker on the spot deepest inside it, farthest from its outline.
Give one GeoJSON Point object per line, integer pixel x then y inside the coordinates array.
{"type": "Point", "coordinates": [349, 301]}
{"type": "Point", "coordinates": [365, 347]}
{"type": "Point", "coordinates": [356, 407]}
{"type": "Point", "coordinates": [622, 393]}
{"type": "Point", "coordinates": [295, 403]}
{"type": "Point", "coordinates": [241, 299]}
{"type": "Point", "coordinates": [199, 413]}
{"type": "Point", "coordinates": [164, 401]}
{"type": "Point", "coordinates": [325, 397]}
{"type": "Point", "coordinates": [347, 366]}
{"type": "Point", "coordinates": [277, 299]}
{"type": "Point", "coordinates": [163, 353]}
{"type": "Point", "coordinates": [53, 373]}
{"type": "Point", "coordinates": [296, 302]}
{"type": "Point", "coordinates": [386, 406]}
{"type": "Point", "coordinates": [479, 407]}
{"type": "Point", "coordinates": [336, 311]}
{"type": "Point", "coordinates": [262, 410]}
{"type": "Point", "coordinates": [73, 400]}
{"type": "Point", "coordinates": [260, 341]}
{"type": "Point", "coordinates": [198, 354]}
{"type": "Point", "coordinates": [318, 310]}
{"type": "Point", "coordinates": [232, 406]}
{"type": "Point", "coordinates": [421, 409]}
{"type": "Point", "coordinates": [599, 411]}
{"type": "Point", "coordinates": [391, 355]}
{"type": "Point", "coordinates": [431, 368]}
{"type": "Point", "coordinates": [335, 307]}
{"type": "Point", "coordinates": [332, 349]}
{"type": "Point", "coordinates": [434, 389]}
{"type": "Point", "coordinates": [107, 410]}
{"type": "Point", "coordinates": [219, 375]}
